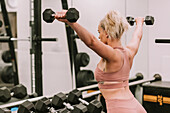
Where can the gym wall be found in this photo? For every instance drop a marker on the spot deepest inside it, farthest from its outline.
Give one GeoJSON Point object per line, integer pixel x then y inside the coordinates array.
{"type": "Point", "coordinates": [23, 17]}
{"type": "Point", "coordinates": [159, 54]}
{"type": "Point", "coordinates": [138, 8]}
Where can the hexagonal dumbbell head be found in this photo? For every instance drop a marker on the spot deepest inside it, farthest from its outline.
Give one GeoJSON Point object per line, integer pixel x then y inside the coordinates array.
{"type": "Point", "coordinates": [20, 91]}
{"type": "Point", "coordinates": [5, 94]}
{"type": "Point", "coordinates": [73, 96]}
{"type": "Point", "coordinates": [94, 106]}
{"type": "Point", "coordinates": [4, 110]}
{"type": "Point", "coordinates": [48, 15]}
{"type": "Point", "coordinates": [149, 20]}
{"type": "Point", "coordinates": [58, 100]}
{"type": "Point", "coordinates": [65, 110]}
{"type": "Point", "coordinates": [43, 105]}
{"type": "Point", "coordinates": [26, 107]}
{"type": "Point", "coordinates": [130, 20]}
{"type": "Point", "coordinates": [72, 15]}
{"type": "Point", "coordinates": [80, 108]}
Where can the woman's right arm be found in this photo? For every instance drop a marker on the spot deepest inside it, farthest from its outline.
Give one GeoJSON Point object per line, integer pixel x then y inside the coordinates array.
{"type": "Point", "coordinates": [133, 46]}
{"type": "Point", "coordinates": [90, 40]}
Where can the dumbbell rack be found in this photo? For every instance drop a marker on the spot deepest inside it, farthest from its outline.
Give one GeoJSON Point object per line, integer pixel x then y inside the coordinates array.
{"type": "Point", "coordinates": [33, 100]}
{"type": "Point", "coordinates": [138, 81]}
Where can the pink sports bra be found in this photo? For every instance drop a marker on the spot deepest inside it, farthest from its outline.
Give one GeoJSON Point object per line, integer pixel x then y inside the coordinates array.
{"type": "Point", "coordinates": [121, 76]}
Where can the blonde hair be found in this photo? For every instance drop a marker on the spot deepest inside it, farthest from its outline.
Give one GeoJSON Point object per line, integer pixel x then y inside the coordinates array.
{"type": "Point", "coordinates": [114, 24]}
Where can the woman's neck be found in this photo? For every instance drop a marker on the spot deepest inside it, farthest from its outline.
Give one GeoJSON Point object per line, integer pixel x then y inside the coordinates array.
{"type": "Point", "coordinates": [114, 43]}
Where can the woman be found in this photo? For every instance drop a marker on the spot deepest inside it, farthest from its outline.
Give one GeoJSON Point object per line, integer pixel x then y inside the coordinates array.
{"type": "Point", "coordinates": [112, 71]}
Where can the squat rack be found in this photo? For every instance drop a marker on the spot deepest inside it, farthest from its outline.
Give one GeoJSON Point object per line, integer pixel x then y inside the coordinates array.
{"type": "Point", "coordinates": [36, 47]}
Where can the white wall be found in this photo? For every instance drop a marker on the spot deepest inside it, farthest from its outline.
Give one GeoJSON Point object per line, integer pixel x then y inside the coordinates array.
{"type": "Point", "coordinates": [23, 16]}
{"type": "Point", "coordinates": [56, 65]}
{"type": "Point", "coordinates": [139, 8]}
{"type": "Point", "coordinates": [159, 55]}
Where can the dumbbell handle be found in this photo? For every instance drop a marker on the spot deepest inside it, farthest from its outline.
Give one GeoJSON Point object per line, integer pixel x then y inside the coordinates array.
{"type": "Point", "coordinates": [53, 15]}
{"type": "Point", "coordinates": [83, 101]}
{"type": "Point", "coordinates": [12, 94]}
{"type": "Point", "coordinates": [68, 106]}
{"type": "Point", "coordinates": [71, 15]}
{"type": "Point", "coordinates": [50, 109]}
{"type": "Point", "coordinates": [135, 20]}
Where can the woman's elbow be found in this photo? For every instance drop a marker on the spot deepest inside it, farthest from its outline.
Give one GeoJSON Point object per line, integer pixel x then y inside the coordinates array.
{"type": "Point", "coordinates": [92, 42]}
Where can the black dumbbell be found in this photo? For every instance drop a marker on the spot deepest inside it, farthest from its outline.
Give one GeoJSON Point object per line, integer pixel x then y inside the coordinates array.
{"type": "Point", "coordinates": [6, 56]}
{"type": "Point", "coordinates": [72, 15]}
{"type": "Point", "coordinates": [26, 107]}
{"type": "Point", "coordinates": [149, 20]}
{"type": "Point", "coordinates": [7, 74]}
{"type": "Point", "coordinates": [4, 110]}
{"type": "Point", "coordinates": [75, 97]}
{"type": "Point", "coordinates": [83, 77]}
{"type": "Point", "coordinates": [82, 59]}
{"type": "Point", "coordinates": [43, 105]}
{"type": "Point", "coordinates": [58, 102]}
{"type": "Point", "coordinates": [19, 91]}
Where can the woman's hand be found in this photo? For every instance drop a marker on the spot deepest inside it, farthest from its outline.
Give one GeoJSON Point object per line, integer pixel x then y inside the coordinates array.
{"type": "Point", "coordinates": [139, 20]}
{"type": "Point", "coordinates": [60, 16]}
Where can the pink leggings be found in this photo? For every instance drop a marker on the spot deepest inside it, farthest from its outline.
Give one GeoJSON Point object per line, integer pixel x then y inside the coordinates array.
{"type": "Point", "coordinates": [124, 106]}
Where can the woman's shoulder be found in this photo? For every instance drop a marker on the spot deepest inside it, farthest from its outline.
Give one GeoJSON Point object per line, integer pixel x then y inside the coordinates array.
{"type": "Point", "coordinates": [127, 52]}
{"type": "Point", "coordinates": [130, 57]}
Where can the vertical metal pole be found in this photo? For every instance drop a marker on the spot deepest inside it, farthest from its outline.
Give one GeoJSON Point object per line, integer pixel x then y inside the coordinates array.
{"type": "Point", "coordinates": [72, 48]}
{"type": "Point", "coordinates": [37, 48]}
{"type": "Point", "coordinates": [32, 57]}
